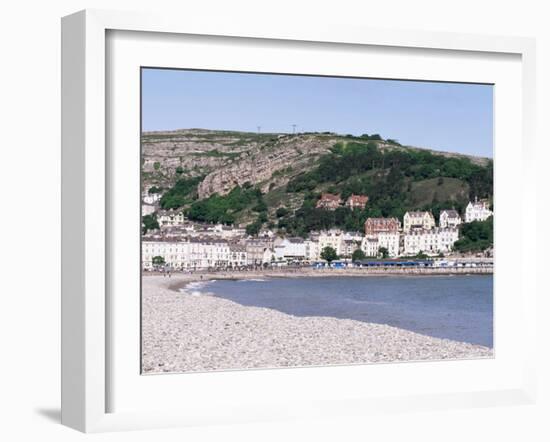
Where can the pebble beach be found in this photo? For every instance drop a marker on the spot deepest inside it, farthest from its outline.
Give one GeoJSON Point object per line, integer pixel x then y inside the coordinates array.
{"type": "Point", "coordinates": [185, 331]}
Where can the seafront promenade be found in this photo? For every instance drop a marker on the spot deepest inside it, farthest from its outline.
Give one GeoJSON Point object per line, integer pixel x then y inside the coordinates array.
{"type": "Point", "coordinates": [295, 272]}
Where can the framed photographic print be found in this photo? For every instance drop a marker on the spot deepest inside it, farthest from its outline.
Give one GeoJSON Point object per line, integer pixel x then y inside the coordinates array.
{"type": "Point", "coordinates": [265, 223]}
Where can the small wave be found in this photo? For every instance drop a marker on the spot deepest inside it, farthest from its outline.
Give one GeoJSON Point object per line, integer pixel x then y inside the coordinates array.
{"type": "Point", "coordinates": [195, 288]}
{"type": "Point", "coordinates": [253, 280]}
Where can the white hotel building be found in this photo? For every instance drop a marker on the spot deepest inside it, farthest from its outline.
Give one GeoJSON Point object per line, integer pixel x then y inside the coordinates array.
{"type": "Point", "coordinates": [193, 254]}
{"type": "Point", "coordinates": [431, 242]}
{"type": "Point", "coordinates": [371, 244]}
{"type": "Point", "coordinates": [291, 249]}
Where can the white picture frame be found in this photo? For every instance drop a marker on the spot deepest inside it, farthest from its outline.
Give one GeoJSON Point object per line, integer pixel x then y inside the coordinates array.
{"type": "Point", "coordinates": [86, 210]}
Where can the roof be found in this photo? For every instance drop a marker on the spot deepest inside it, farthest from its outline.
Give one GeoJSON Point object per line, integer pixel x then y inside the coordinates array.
{"type": "Point", "coordinates": [330, 196]}
{"type": "Point", "coordinates": [382, 220]}
{"type": "Point", "coordinates": [418, 213]}
{"type": "Point", "coordinates": [451, 213]}
{"type": "Point", "coordinates": [162, 212]}
{"type": "Point", "coordinates": [358, 198]}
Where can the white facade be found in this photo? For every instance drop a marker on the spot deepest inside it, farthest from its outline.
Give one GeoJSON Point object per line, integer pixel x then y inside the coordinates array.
{"type": "Point", "coordinates": [390, 241]}
{"type": "Point", "coordinates": [477, 211]}
{"type": "Point", "coordinates": [193, 254]}
{"type": "Point", "coordinates": [313, 253]}
{"type": "Point", "coordinates": [268, 257]}
{"type": "Point", "coordinates": [371, 244]}
{"type": "Point", "coordinates": [170, 218]}
{"type": "Point", "coordinates": [418, 220]}
{"type": "Point", "coordinates": [227, 232]}
{"type": "Point", "coordinates": [332, 238]}
{"type": "Point", "coordinates": [291, 249]}
{"type": "Point", "coordinates": [147, 209]}
{"type": "Point", "coordinates": [431, 242]}
{"type": "Point", "coordinates": [150, 198]}
{"type": "Point", "coordinates": [349, 246]}
{"type": "Point", "coordinates": [449, 218]}
{"type": "Point", "coordinates": [255, 250]}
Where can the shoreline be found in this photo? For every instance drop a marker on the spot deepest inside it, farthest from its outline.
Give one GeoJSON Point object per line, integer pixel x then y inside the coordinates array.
{"type": "Point", "coordinates": [185, 333]}
{"type": "Point", "coordinates": [198, 276]}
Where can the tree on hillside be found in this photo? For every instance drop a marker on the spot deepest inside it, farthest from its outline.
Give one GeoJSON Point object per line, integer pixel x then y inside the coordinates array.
{"type": "Point", "coordinates": [475, 236]}
{"type": "Point", "coordinates": [329, 254]}
{"type": "Point", "coordinates": [149, 222]}
{"type": "Point", "coordinates": [358, 255]}
{"type": "Point", "coordinates": [281, 211]}
{"type": "Point", "coordinates": [254, 228]}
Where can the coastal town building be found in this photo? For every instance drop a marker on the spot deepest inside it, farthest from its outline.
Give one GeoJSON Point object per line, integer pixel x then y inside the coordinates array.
{"type": "Point", "coordinates": [477, 211]}
{"type": "Point", "coordinates": [150, 198]}
{"type": "Point", "coordinates": [169, 218]}
{"type": "Point", "coordinates": [348, 246]}
{"type": "Point", "coordinates": [449, 218]}
{"type": "Point", "coordinates": [313, 252]}
{"type": "Point", "coordinates": [328, 201]}
{"type": "Point", "coordinates": [389, 241]}
{"type": "Point", "coordinates": [352, 236]}
{"type": "Point", "coordinates": [372, 244]}
{"type": "Point", "coordinates": [193, 254]}
{"type": "Point", "coordinates": [357, 201]}
{"type": "Point", "coordinates": [291, 249]}
{"type": "Point", "coordinates": [418, 220]}
{"type": "Point", "coordinates": [227, 232]}
{"type": "Point", "coordinates": [331, 238]}
{"type": "Point", "coordinates": [377, 225]}
{"type": "Point", "coordinates": [147, 209]}
{"type": "Point", "coordinates": [255, 251]}
{"type": "Point", "coordinates": [430, 242]}
{"type": "Point", "coordinates": [268, 257]}
{"type": "Point", "coordinates": [447, 238]}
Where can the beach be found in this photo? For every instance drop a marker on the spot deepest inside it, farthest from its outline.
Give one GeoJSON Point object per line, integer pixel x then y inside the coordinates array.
{"type": "Point", "coordinates": [184, 330]}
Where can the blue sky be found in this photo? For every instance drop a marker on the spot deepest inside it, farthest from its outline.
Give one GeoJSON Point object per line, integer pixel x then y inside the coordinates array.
{"type": "Point", "coordinates": [452, 117]}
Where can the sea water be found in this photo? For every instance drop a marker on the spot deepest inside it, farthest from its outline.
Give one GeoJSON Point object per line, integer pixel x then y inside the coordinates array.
{"type": "Point", "coordinates": [453, 307]}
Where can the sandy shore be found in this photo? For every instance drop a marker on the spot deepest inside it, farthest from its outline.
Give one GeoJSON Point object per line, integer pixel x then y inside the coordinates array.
{"type": "Point", "coordinates": [184, 332]}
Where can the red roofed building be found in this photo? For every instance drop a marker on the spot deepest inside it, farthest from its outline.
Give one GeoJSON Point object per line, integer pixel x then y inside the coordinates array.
{"type": "Point", "coordinates": [373, 226]}
{"type": "Point", "coordinates": [357, 201]}
{"type": "Point", "coordinates": [329, 201]}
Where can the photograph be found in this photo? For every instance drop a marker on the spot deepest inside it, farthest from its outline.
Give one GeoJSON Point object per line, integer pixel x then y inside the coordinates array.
{"type": "Point", "coordinates": [304, 220]}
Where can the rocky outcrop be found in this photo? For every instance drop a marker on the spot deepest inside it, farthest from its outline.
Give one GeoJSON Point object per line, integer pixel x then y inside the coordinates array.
{"type": "Point", "coordinates": [265, 165]}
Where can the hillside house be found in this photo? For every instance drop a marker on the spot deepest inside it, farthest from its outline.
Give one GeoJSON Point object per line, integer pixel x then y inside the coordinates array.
{"type": "Point", "coordinates": [418, 220]}
{"type": "Point", "coordinates": [449, 218]}
{"type": "Point", "coordinates": [329, 201]}
{"type": "Point", "coordinates": [357, 201]}
{"type": "Point", "coordinates": [477, 211]}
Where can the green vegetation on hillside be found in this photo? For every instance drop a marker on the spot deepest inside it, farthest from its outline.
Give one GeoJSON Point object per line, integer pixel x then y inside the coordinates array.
{"type": "Point", "coordinates": [475, 236]}
{"type": "Point", "coordinates": [149, 222]}
{"type": "Point", "coordinates": [225, 208]}
{"type": "Point", "coordinates": [181, 193]}
{"type": "Point", "coordinates": [395, 181]}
